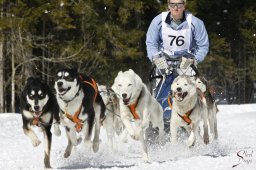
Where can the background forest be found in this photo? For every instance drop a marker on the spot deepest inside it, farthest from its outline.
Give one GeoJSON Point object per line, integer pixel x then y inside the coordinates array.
{"type": "Point", "coordinates": [102, 37]}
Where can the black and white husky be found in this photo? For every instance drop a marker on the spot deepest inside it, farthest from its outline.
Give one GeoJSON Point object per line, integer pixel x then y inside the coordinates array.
{"type": "Point", "coordinates": [212, 109]}
{"type": "Point", "coordinates": [39, 108]}
{"type": "Point", "coordinates": [82, 107]}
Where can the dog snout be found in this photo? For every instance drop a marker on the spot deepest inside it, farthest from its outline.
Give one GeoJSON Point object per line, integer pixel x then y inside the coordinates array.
{"type": "Point", "coordinates": [59, 84]}
{"type": "Point", "coordinates": [124, 95]}
{"type": "Point", "coordinates": [36, 108]}
{"type": "Point", "coordinates": [179, 89]}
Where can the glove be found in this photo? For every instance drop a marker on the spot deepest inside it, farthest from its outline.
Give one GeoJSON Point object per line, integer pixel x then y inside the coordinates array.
{"type": "Point", "coordinates": [186, 62]}
{"type": "Point", "coordinates": [160, 63]}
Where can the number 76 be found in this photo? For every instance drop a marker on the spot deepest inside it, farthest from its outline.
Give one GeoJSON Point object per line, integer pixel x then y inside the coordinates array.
{"type": "Point", "coordinates": [178, 39]}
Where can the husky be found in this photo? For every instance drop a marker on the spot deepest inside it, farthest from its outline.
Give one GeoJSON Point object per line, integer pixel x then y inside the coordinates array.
{"type": "Point", "coordinates": [212, 109]}
{"type": "Point", "coordinates": [188, 109]}
{"type": "Point", "coordinates": [137, 104]}
{"type": "Point", "coordinates": [112, 122]}
{"type": "Point", "coordinates": [39, 108]}
{"type": "Point", "coordinates": [81, 106]}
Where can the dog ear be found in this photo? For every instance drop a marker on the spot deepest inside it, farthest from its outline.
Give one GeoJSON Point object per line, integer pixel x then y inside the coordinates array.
{"type": "Point", "coordinates": [119, 74]}
{"type": "Point", "coordinates": [30, 79]}
{"type": "Point", "coordinates": [204, 81]}
{"type": "Point", "coordinates": [114, 86]}
{"type": "Point", "coordinates": [137, 78]}
{"type": "Point", "coordinates": [131, 71]}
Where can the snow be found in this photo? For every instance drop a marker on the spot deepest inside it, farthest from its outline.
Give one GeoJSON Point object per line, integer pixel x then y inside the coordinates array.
{"type": "Point", "coordinates": [236, 145]}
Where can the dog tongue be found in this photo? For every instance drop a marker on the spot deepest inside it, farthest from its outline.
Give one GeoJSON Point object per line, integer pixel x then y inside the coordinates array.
{"type": "Point", "coordinates": [37, 114]}
{"type": "Point", "coordinates": [180, 94]}
{"type": "Point", "coordinates": [126, 101]}
{"type": "Point", "coordinates": [61, 90]}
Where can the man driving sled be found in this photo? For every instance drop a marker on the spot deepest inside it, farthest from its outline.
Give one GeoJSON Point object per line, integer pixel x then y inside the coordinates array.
{"type": "Point", "coordinates": [178, 34]}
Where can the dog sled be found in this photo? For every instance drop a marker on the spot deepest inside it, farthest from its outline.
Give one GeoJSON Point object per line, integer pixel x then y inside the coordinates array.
{"type": "Point", "coordinates": [164, 70]}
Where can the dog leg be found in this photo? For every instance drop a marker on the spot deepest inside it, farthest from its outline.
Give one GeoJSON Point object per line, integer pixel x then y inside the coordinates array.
{"type": "Point", "coordinates": [87, 137]}
{"type": "Point", "coordinates": [72, 141]}
{"type": "Point", "coordinates": [161, 132]}
{"type": "Point", "coordinates": [144, 147]}
{"type": "Point", "coordinates": [68, 149]}
{"type": "Point", "coordinates": [96, 139]}
{"type": "Point", "coordinates": [191, 138]}
{"type": "Point", "coordinates": [124, 135]}
{"type": "Point", "coordinates": [73, 138]}
{"type": "Point", "coordinates": [215, 130]}
{"type": "Point", "coordinates": [57, 131]}
{"type": "Point", "coordinates": [206, 134]}
{"type": "Point", "coordinates": [173, 130]}
{"type": "Point", "coordinates": [31, 134]}
{"type": "Point", "coordinates": [47, 146]}
{"type": "Point", "coordinates": [128, 127]}
{"type": "Point", "coordinates": [56, 122]}
{"type": "Point", "coordinates": [109, 124]}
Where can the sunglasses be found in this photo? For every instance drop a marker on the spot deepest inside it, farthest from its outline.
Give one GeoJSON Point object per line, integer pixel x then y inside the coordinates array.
{"type": "Point", "coordinates": [178, 5]}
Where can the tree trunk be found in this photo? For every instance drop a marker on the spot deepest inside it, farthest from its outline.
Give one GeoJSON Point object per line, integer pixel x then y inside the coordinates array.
{"type": "Point", "coordinates": [1, 67]}
{"type": "Point", "coordinates": [13, 81]}
{"type": "Point", "coordinates": [1, 77]}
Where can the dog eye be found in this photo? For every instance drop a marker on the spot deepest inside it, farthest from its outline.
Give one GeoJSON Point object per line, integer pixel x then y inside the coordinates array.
{"type": "Point", "coordinates": [120, 85]}
{"type": "Point", "coordinates": [66, 74]}
{"type": "Point", "coordinates": [129, 84]}
{"type": "Point", "coordinates": [186, 84]}
{"type": "Point", "coordinates": [59, 74]}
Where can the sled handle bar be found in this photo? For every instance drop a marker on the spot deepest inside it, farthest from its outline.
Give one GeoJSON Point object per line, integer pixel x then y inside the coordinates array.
{"type": "Point", "coordinates": [195, 69]}
{"type": "Point", "coordinates": [152, 76]}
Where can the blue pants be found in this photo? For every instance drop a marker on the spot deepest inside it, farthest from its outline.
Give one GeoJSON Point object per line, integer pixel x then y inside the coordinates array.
{"type": "Point", "coordinates": [163, 93]}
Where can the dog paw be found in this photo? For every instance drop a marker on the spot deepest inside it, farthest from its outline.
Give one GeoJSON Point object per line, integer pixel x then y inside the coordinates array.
{"type": "Point", "coordinates": [79, 140]}
{"type": "Point", "coordinates": [67, 154]}
{"type": "Point", "coordinates": [145, 158]}
{"type": "Point", "coordinates": [206, 140]}
{"type": "Point", "coordinates": [36, 142]}
{"type": "Point", "coordinates": [95, 146]}
{"type": "Point", "coordinates": [47, 164]}
{"type": "Point", "coordinates": [190, 141]}
{"type": "Point", "coordinates": [135, 135]}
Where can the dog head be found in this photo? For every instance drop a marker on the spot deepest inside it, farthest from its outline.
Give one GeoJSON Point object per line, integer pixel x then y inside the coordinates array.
{"type": "Point", "coordinates": [201, 83]}
{"type": "Point", "coordinates": [104, 93]}
{"type": "Point", "coordinates": [108, 95]}
{"type": "Point", "coordinates": [128, 86]}
{"type": "Point", "coordinates": [67, 83]}
{"type": "Point", "coordinates": [183, 87]}
{"type": "Point", "coordinates": [37, 95]}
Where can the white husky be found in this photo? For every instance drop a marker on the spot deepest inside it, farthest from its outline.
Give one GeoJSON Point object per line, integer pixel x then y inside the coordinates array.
{"type": "Point", "coordinates": [188, 109]}
{"type": "Point", "coordinates": [201, 83]}
{"type": "Point", "coordinates": [136, 103]}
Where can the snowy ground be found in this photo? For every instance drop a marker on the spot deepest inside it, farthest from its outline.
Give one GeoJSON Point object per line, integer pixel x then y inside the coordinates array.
{"type": "Point", "coordinates": [236, 145]}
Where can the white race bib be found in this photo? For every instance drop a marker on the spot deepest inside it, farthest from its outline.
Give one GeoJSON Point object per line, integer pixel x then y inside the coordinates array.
{"type": "Point", "coordinates": [176, 40]}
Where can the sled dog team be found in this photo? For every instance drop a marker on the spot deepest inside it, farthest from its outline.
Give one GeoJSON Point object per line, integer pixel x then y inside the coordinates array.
{"type": "Point", "coordinates": [81, 106]}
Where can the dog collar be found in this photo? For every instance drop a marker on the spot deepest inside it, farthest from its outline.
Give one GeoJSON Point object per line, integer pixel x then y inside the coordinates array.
{"type": "Point", "coordinates": [186, 117]}
{"type": "Point", "coordinates": [67, 101]}
{"type": "Point", "coordinates": [132, 108]}
{"type": "Point", "coordinates": [75, 119]}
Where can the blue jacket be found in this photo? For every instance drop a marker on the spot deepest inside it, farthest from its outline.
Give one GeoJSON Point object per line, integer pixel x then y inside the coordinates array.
{"type": "Point", "coordinates": [199, 44]}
